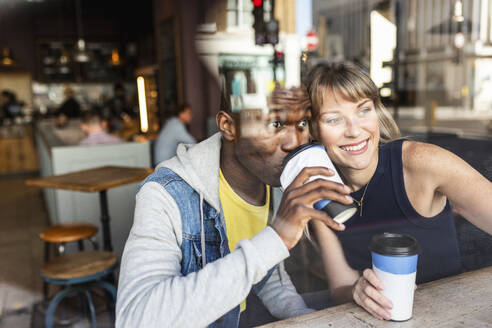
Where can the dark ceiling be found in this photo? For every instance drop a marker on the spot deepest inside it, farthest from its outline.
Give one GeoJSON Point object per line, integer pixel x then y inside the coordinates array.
{"type": "Point", "coordinates": [23, 24]}
{"type": "Point", "coordinates": [124, 19]}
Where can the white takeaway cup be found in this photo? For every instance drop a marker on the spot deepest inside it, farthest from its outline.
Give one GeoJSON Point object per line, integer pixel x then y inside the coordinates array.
{"type": "Point", "coordinates": [312, 155]}
{"type": "Point", "coordinates": [394, 261]}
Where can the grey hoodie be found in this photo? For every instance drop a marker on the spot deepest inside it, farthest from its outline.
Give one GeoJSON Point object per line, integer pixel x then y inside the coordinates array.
{"type": "Point", "coordinates": [152, 291]}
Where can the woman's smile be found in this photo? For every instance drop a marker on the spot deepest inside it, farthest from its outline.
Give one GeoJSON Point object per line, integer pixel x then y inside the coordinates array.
{"type": "Point", "coordinates": [356, 148]}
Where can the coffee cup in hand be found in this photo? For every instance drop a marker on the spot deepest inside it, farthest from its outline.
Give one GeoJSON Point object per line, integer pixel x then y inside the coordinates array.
{"type": "Point", "coordinates": [313, 155]}
{"type": "Point", "coordinates": [394, 261]}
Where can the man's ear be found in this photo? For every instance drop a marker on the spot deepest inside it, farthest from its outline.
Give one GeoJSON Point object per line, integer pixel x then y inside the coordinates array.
{"type": "Point", "coordinates": [226, 125]}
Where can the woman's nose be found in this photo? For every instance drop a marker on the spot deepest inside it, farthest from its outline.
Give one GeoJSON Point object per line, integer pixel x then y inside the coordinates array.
{"type": "Point", "coordinates": [352, 128]}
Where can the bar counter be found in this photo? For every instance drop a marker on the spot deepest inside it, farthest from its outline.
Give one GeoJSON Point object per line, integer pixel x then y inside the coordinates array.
{"type": "Point", "coordinates": [17, 152]}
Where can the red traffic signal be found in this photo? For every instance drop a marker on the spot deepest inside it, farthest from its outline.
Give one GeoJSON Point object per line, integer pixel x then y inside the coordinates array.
{"type": "Point", "coordinates": [257, 3]}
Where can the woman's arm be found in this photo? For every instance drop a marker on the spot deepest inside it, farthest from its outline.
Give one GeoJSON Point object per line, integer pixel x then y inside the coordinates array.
{"type": "Point", "coordinates": [433, 173]}
{"type": "Point", "coordinates": [341, 277]}
{"type": "Point", "coordinates": [346, 283]}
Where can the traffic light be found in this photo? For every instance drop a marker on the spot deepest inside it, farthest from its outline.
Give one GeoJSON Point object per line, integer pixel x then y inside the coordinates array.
{"type": "Point", "coordinates": [265, 32]}
{"type": "Point", "coordinates": [259, 23]}
{"type": "Point", "coordinates": [272, 31]}
{"type": "Point", "coordinates": [277, 60]}
{"type": "Point", "coordinates": [278, 57]}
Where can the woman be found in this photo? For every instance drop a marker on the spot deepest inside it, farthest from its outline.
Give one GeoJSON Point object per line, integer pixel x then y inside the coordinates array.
{"type": "Point", "coordinates": [398, 185]}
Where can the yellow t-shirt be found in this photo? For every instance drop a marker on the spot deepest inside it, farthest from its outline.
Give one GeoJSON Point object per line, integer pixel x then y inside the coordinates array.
{"type": "Point", "coordinates": [242, 219]}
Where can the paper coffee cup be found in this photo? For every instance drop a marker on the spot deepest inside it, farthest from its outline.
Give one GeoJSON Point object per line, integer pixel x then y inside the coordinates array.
{"type": "Point", "coordinates": [309, 155]}
{"type": "Point", "coordinates": [394, 260]}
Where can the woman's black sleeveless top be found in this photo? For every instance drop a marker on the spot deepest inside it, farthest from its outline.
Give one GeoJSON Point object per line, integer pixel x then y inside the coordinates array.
{"type": "Point", "coordinates": [386, 208]}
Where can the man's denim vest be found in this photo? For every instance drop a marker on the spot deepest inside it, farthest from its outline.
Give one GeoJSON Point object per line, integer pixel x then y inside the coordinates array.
{"type": "Point", "coordinates": [216, 243]}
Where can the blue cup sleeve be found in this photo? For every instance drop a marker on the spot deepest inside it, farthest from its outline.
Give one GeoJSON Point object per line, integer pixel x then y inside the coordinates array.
{"type": "Point", "coordinates": [395, 264]}
{"type": "Point", "coordinates": [319, 205]}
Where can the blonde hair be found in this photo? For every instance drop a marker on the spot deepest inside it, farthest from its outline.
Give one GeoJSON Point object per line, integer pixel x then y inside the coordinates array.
{"type": "Point", "coordinates": [348, 81]}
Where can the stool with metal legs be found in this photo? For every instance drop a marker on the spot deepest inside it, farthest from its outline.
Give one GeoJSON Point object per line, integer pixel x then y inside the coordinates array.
{"type": "Point", "coordinates": [79, 272]}
{"type": "Point", "coordinates": [59, 234]}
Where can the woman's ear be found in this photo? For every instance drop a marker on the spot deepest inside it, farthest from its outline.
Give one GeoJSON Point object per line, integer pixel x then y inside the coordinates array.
{"type": "Point", "coordinates": [226, 125]}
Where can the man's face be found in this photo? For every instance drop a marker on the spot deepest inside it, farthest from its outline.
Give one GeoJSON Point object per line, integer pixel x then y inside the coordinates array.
{"type": "Point", "coordinates": [265, 139]}
{"type": "Point", "coordinates": [186, 116]}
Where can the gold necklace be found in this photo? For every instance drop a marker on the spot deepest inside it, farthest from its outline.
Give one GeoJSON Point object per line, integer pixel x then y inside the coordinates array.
{"type": "Point", "coordinates": [361, 201]}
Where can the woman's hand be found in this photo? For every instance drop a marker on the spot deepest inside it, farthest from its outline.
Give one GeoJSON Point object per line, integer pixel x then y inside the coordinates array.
{"type": "Point", "coordinates": [367, 293]}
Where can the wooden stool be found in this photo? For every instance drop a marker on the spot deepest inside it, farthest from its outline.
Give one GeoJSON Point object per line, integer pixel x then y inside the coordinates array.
{"type": "Point", "coordinates": [59, 234]}
{"type": "Point", "coordinates": [69, 232]}
{"type": "Point", "coordinates": [78, 272]}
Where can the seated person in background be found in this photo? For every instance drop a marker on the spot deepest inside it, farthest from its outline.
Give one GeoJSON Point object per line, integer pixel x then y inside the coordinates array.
{"type": "Point", "coordinates": [94, 126]}
{"type": "Point", "coordinates": [399, 185]}
{"type": "Point", "coordinates": [173, 133]}
{"type": "Point", "coordinates": [9, 106]}
{"type": "Point", "coordinates": [200, 243]}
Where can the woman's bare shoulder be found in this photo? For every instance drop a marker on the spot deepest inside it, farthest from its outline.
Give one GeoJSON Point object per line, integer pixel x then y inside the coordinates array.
{"type": "Point", "coordinates": [416, 153]}
{"type": "Point", "coordinates": [425, 158]}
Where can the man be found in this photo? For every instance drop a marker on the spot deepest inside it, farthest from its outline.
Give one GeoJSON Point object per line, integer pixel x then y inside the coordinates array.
{"type": "Point", "coordinates": [118, 108]}
{"type": "Point", "coordinates": [9, 106]}
{"type": "Point", "coordinates": [173, 133]}
{"type": "Point", "coordinates": [178, 267]}
{"type": "Point", "coordinates": [70, 107]}
{"type": "Point", "coordinates": [95, 129]}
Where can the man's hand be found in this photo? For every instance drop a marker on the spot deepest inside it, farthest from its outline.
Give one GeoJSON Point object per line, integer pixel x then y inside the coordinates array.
{"type": "Point", "coordinates": [296, 208]}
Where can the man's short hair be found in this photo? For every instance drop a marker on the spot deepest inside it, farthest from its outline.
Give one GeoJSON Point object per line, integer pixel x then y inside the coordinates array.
{"type": "Point", "coordinates": [9, 95]}
{"type": "Point", "coordinates": [91, 117]}
{"type": "Point", "coordinates": [181, 108]}
{"type": "Point", "coordinates": [292, 98]}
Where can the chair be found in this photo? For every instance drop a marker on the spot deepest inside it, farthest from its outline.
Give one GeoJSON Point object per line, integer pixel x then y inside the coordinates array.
{"type": "Point", "coordinates": [78, 272]}
{"type": "Point", "coordinates": [60, 234]}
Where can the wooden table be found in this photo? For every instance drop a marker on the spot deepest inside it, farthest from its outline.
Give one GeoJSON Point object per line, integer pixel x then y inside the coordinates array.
{"type": "Point", "coordinates": [464, 300]}
{"type": "Point", "coordinates": [95, 180]}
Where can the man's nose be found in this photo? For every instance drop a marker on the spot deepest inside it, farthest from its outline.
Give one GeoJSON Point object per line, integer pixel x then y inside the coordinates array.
{"type": "Point", "coordinates": [293, 138]}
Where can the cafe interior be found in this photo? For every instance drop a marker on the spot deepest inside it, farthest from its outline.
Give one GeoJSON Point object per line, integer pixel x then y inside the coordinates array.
{"type": "Point", "coordinates": [134, 62]}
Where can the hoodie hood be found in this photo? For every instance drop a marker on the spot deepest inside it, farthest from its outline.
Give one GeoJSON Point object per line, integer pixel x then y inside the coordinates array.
{"type": "Point", "coordinates": [198, 165]}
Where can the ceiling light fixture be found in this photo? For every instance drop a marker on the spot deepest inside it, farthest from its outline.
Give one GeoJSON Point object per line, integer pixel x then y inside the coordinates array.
{"type": "Point", "coordinates": [6, 58]}
{"type": "Point", "coordinates": [81, 54]}
{"type": "Point", "coordinates": [115, 58]}
{"type": "Point", "coordinates": [458, 11]}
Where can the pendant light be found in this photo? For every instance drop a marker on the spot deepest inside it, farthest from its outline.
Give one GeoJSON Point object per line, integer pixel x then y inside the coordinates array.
{"type": "Point", "coordinates": [115, 59]}
{"type": "Point", "coordinates": [458, 11]}
{"type": "Point", "coordinates": [6, 58]}
{"type": "Point", "coordinates": [81, 54]}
